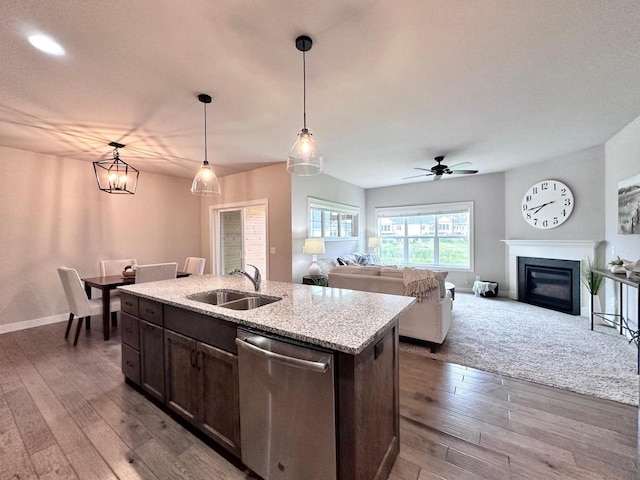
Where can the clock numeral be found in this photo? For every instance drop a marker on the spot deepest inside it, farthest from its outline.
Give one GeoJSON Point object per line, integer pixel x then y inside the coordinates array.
{"type": "Point", "coordinates": [545, 223]}
{"type": "Point", "coordinates": [535, 221]}
{"type": "Point", "coordinates": [563, 192]}
{"type": "Point", "coordinates": [564, 213]}
{"type": "Point", "coordinates": [525, 207]}
{"type": "Point", "coordinates": [528, 216]}
{"type": "Point", "coordinates": [567, 202]}
{"type": "Point", "coordinates": [544, 186]}
{"type": "Point", "coordinates": [555, 186]}
{"type": "Point", "coordinates": [534, 190]}
{"type": "Point", "coordinates": [528, 198]}
{"type": "Point", "coordinates": [555, 220]}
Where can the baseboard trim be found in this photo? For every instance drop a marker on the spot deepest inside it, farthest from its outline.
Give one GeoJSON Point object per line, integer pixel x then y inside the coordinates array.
{"type": "Point", "coordinates": [36, 322]}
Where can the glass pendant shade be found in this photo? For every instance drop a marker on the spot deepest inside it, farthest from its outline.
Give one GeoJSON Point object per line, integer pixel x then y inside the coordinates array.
{"type": "Point", "coordinates": [116, 176]}
{"type": "Point", "coordinates": [205, 181]}
{"type": "Point", "coordinates": [305, 158]}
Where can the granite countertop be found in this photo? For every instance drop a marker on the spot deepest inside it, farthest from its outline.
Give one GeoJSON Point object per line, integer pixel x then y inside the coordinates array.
{"type": "Point", "coordinates": [339, 319]}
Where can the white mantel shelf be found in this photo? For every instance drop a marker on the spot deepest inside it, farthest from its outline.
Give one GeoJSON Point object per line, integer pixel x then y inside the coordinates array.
{"type": "Point", "coordinates": [554, 243]}
{"type": "Point", "coordinates": [578, 250]}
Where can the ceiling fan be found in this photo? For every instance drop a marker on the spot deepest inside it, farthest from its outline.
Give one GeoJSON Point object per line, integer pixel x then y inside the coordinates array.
{"type": "Point", "coordinates": [440, 169]}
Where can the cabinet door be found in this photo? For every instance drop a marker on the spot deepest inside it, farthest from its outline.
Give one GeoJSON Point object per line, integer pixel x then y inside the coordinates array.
{"type": "Point", "coordinates": [152, 359]}
{"type": "Point", "coordinates": [181, 375]}
{"type": "Point", "coordinates": [218, 408]}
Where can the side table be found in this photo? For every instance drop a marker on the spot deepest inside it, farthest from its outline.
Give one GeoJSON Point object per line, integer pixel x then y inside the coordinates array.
{"type": "Point", "coordinates": [321, 280]}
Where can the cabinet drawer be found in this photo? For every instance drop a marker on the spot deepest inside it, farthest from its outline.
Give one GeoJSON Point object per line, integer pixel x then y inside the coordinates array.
{"type": "Point", "coordinates": [131, 364]}
{"type": "Point", "coordinates": [130, 331]}
{"type": "Point", "coordinates": [129, 303]}
{"type": "Point", "coordinates": [150, 311]}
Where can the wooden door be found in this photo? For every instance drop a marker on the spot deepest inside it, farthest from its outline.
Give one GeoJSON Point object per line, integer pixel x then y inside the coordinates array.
{"type": "Point", "coordinates": [181, 375]}
{"type": "Point", "coordinates": [152, 359]}
{"type": "Point", "coordinates": [219, 409]}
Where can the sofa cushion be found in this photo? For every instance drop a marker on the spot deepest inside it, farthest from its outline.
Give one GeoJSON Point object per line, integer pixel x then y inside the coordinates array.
{"type": "Point", "coordinates": [358, 270]}
{"type": "Point", "coordinates": [327, 264]}
{"type": "Point", "coordinates": [390, 272]}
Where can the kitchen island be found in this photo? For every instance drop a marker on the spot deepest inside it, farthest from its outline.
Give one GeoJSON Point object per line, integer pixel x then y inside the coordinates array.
{"type": "Point", "coordinates": [183, 353]}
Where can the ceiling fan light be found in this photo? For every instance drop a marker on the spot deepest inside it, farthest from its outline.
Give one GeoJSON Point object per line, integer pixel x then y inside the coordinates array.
{"type": "Point", "coordinates": [305, 158]}
{"type": "Point", "coordinates": [205, 182]}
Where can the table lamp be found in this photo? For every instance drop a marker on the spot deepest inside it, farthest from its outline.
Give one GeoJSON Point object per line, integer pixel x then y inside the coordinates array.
{"type": "Point", "coordinates": [313, 246]}
{"type": "Point", "coordinates": [373, 242]}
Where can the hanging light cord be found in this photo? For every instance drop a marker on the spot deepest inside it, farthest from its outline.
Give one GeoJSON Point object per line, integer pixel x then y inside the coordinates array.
{"type": "Point", "coordinates": [304, 90]}
{"type": "Point", "coordinates": [206, 162]}
{"type": "Point", "coordinates": [115, 154]}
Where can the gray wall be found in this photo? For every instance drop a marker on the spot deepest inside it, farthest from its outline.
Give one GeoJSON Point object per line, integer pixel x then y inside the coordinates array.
{"type": "Point", "coordinates": [54, 215]}
{"type": "Point", "coordinates": [487, 193]}
{"type": "Point", "coordinates": [583, 172]}
{"type": "Point", "coordinates": [326, 188]}
{"type": "Point", "coordinates": [622, 161]}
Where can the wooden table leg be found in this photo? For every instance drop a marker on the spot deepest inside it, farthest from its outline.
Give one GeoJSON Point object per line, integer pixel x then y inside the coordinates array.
{"type": "Point", "coordinates": [87, 289]}
{"type": "Point", "coordinates": [106, 304]}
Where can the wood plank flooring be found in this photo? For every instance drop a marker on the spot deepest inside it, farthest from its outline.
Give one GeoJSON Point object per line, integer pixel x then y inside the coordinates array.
{"type": "Point", "coordinates": [65, 413]}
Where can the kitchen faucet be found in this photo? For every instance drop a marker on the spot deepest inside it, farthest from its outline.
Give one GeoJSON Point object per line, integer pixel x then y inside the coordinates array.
{"type": "Point", "coordinates": [256, 279]}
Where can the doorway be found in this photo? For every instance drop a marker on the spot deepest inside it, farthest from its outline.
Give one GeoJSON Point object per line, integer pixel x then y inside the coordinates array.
{"type": "Point", "coordinates": [239, 237]}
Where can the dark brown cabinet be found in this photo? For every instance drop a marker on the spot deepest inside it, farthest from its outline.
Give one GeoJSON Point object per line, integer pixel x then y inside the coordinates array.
{"type": "Point", "coordinates": [152, 359]}
{"type": "Point", "coordinates": [202, 387]}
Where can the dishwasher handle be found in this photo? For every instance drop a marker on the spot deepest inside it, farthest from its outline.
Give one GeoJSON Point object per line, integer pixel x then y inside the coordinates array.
{"type": "Point", "coordinates": [320, 367]}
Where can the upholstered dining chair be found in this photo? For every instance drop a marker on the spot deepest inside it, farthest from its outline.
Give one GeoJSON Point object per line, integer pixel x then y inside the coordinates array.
{"type": "Point", "coordinates": [79, 304]}
{"type": "Point", "coordinates": [194, 265]}
{"type": "Point", "coordinates": [156, 271]}
{"type": "Point", "coordinates": [114, 267]}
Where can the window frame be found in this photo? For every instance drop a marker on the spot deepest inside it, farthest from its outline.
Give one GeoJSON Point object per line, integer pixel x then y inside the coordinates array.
{"type": "Point", "coordinates": [332, 208]}
{"type": "Point", "coordinates": [428, 210]}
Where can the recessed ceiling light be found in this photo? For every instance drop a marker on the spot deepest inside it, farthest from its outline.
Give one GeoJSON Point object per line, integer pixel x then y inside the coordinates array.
{"type": "Point", "coordinates": [46, 44]}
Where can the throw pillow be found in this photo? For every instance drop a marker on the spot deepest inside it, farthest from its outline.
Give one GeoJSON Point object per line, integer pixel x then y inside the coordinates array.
{"type": "Point", "coordinates": [341, 261]}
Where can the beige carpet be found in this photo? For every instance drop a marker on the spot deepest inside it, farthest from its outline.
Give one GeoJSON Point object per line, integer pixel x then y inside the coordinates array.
{"type": "Point", "coordinates": [552, 348]}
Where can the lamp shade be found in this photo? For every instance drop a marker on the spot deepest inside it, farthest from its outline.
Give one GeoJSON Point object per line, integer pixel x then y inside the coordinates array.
{"type": "Point", "coordinates": [313, 246]}
{"type": "Point", "coordinates": [205, 182]}
{"type": "Point", "coordinates": [373, 242]}
{"type": "Point", "coordinates": [305, 158]}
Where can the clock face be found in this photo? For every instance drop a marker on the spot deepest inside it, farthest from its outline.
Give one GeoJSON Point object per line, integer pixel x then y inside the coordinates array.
{"type": "Point", "coordinates": [547, 204]}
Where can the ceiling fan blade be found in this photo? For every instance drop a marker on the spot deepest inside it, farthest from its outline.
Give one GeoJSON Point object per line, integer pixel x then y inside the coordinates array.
{"type": "Point", "coordinates": [464, 171]}
{"type": "Point", "coordinates": [457, 165]}
{"type": "Point", "coordinates": [437, 177]}
{"type": "Point", "coordinates": [425, 169]}
{"type": "Point", "coordinates": [415, 176]}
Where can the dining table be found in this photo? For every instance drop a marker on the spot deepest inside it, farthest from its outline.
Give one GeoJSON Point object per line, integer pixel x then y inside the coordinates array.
{"type": "Point", "coordinates": [105, 285]}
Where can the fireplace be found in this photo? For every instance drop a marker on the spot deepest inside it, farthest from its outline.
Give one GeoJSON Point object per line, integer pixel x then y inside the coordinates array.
{"type": "Point", "coordinates": [550, 283]}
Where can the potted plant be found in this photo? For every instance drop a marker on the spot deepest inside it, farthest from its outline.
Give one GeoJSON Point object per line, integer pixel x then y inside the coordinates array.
{"type": "Point", "coordinates": [617, 265]}
{"type": "Point", "coordinates": [592, 282]}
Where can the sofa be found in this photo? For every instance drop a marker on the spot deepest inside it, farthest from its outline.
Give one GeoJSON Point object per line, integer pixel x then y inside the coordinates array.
{"type": "Point", "coordinates": [428, 320]}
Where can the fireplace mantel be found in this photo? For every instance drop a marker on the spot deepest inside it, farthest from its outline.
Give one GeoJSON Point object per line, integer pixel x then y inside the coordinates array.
{"type": "Point", "coordinates": [557, 249]}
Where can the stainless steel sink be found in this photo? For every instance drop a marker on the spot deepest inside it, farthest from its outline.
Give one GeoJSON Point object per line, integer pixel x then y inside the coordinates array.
{"type": "Point", "coordinates": [249, 303]}
{"type": "Point", "coordinates": [233, 300]}
{"type": "Point", "coordinates": [217, 297]}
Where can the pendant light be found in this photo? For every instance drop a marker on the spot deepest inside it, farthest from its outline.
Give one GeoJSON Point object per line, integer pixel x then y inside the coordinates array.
{"type": "Point", "coordinates": [114, 175]}
{"type": "Point", "coordinates": [305, 158]}
{"type": "Point", "coordinates": [205, 182]}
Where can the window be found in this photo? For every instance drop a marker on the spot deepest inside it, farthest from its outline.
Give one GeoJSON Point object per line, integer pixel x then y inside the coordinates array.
{"type": "Point", "coordinates": [332, 220]}
{"type": "Point", "coordinates": [438, 235]}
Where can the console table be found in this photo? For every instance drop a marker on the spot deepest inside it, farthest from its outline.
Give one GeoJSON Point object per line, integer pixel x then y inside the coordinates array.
{"type": "Point", "coordinates": [618, 318]}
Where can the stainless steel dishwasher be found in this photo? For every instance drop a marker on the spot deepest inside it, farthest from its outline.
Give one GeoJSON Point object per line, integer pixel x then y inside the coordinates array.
{"type": "Point", "coordinates": [287, 409]}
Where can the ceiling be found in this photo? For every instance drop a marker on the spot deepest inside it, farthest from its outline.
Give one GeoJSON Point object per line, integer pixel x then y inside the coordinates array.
{"type": "Point", "coordinates": [390, 85]}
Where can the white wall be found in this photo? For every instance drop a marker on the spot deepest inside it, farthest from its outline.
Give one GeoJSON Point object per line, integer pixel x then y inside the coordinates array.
{"type": "Point", "coordinates": [273, 183]}
{"type": "Point", "coordinates": [326, 188]}
{"type": "Point", "coordinates": [622, 161]}
{"type": "Point", "coordinates": [54, 215]}
{"type": "Point", "coordinates": [581, 171]}
{"type": "Point", "coordinates": [487, 193]}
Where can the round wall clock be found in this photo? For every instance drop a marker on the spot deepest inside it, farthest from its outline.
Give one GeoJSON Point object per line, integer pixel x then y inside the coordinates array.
{"type": "Point", "coordinates": [547, 204]}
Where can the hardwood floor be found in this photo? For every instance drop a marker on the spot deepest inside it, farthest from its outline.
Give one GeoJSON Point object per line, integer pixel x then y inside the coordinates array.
{"type": "Point", "coordinates": [65, 413]}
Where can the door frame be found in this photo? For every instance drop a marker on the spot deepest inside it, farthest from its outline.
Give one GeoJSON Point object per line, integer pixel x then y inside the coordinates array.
{"type": "Point", "coordinates": [214, 230]}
